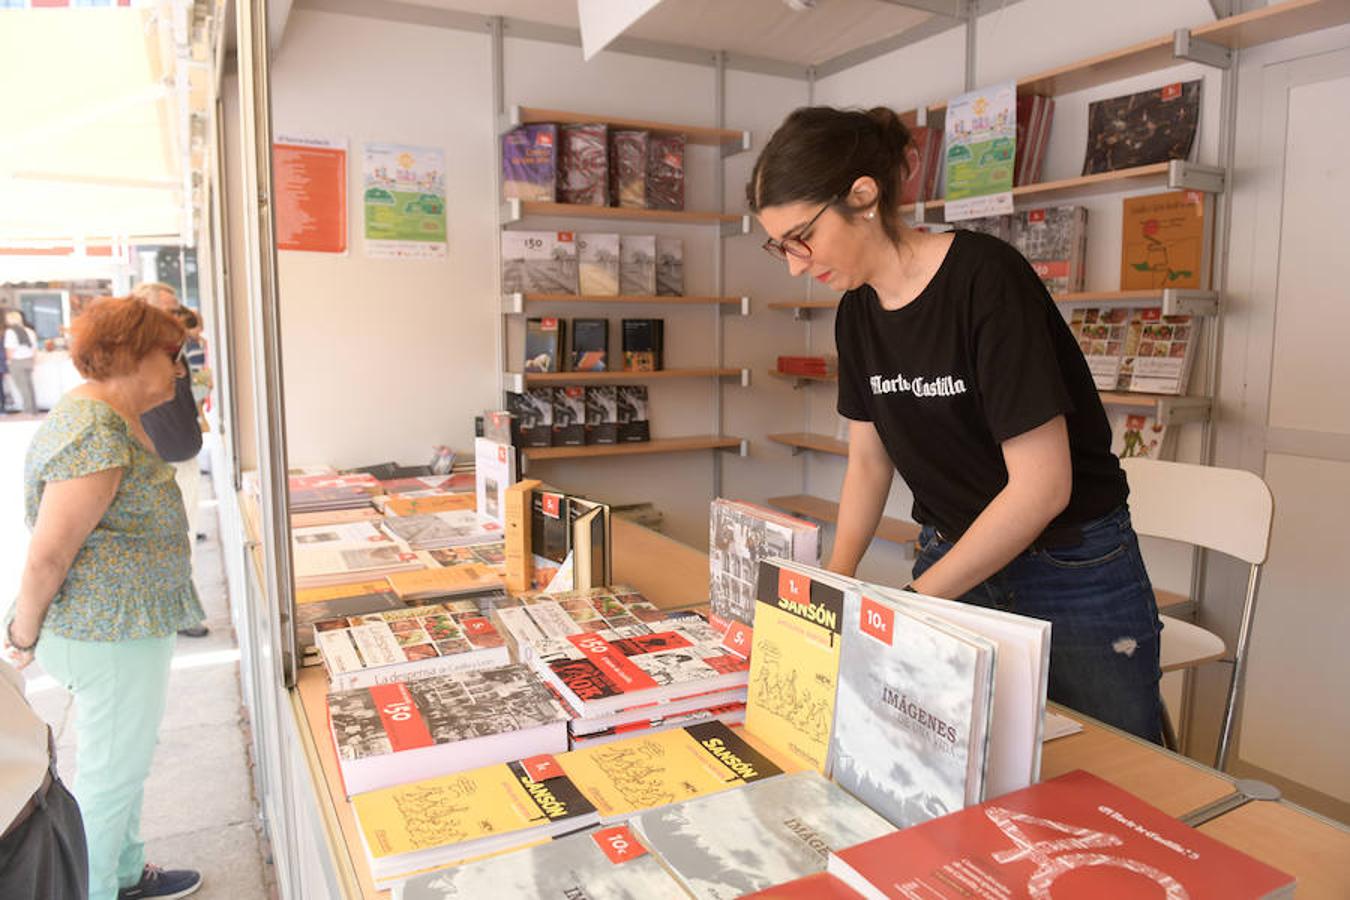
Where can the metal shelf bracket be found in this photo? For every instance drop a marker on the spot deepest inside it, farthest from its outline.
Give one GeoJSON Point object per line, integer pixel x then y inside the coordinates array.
{"type": "Point", "coordinates": [1193, 49]}
{"type": "Point", "coordinates": [1183, 175]}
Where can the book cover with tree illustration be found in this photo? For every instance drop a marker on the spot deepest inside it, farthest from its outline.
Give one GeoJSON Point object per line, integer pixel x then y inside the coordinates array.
{"type": "Point", "coordinates": [1163, 242]}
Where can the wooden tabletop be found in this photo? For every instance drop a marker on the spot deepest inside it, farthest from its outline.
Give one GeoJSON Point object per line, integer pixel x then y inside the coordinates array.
{"type": "Point", "coordinates": [1314, 850]}
{"type": "Point", "coordinates": [1173, 783]}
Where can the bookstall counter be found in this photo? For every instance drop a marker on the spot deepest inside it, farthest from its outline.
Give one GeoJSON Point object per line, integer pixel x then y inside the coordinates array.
{"type": "Point", "coordinates": [673, 575]}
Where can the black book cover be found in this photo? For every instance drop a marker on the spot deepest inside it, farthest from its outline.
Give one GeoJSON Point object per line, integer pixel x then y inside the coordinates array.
{"type": "Point", "coordinates": [633, 424]}
{"type": "Point", "coordinates": [550, 528]}
{"type": "Point", "coordinates": [602, 414]}
{"type": "Point", "coordinates": [642, 344]}
{"type": "Point", "coordinates": [531, 417]}
{"type": "Point", "coordinates": [590, 345]}
{"type": "Point", "coordinates": [544, 344]}
{"type": "Point", "coordinates": [569, 416]}
{"type": "Point", "coordinates": [1141, 129]}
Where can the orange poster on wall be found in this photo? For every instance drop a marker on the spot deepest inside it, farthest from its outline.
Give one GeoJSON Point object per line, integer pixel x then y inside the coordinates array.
{"type": "Point", "coordinates": [310, 180]}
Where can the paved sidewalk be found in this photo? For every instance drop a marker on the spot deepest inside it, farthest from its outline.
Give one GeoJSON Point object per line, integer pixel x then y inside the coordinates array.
{"type": "Point", "coordinates": [199, 807]}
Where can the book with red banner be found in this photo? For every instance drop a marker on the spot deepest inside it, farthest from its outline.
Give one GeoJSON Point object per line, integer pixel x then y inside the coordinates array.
{"type": "Point", "coordinates": [601, 672]}
{"type": "Point", "coordinates": [1073, 836]}
{"type": "Point", "coordinates": [1054, 241]}
{"type": "Point", "coordinates": [740, 534]}
{"type": "Point", "coordinates": [605, 864]}
{"type": "Point", "coordinates": [395, 733]}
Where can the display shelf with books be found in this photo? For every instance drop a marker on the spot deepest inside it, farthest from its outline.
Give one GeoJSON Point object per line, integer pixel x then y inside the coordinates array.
{"type": "Point", "coordinates": [1274, 22]}
{"type": "Point", "coordinates": [800, 441]}
{"type": "Point", "coordinates": [514, 304]}
{"type": "Point", "coordinates": [656, 445]}
{"type": "Point", "coordinates": [1173, 301]}
{"type": "Point", "coordinates": [515, 211]}
{"type": "Point", "coordinates": [516, 381]}
{"type": "Point", "coordinates": [731, 140]}
{"type": "Point", "coordinates": [1177, 174]}
{"type": "Point", "coordinates": [897, 531]}
{"type": "Point", "coordinates": [1167, 409]}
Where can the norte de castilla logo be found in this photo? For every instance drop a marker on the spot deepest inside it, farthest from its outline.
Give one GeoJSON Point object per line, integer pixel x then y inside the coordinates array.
{"type": "Point", "coordinates": [941, 386]}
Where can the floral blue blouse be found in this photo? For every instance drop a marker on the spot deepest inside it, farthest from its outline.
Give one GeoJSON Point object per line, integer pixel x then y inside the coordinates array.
{"type": "Point", "coordinates": [132, 578]}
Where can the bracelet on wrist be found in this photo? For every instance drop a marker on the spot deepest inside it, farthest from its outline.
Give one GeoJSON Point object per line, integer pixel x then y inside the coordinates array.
{"type": "Point", "coordinates": [9, 636]}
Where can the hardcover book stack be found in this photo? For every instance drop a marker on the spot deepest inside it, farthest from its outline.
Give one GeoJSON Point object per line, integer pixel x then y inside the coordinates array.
{"type": "Point", "coordinates": [621, 665]}
{"type": "Point", "coordinates": [395, 733]}
{"type": "Point", "coordinates": [327, 492]}
{"type": "Point", "coordinates": [592, 264]}
{"type": "Point", "coordinates": [818, 366]}
{"type": "Point", "coordinates": [412, 643]}
{"type": "Point", "coordinates": [434, 531]}
{"type": "Point", "coordinates": [339, 554]}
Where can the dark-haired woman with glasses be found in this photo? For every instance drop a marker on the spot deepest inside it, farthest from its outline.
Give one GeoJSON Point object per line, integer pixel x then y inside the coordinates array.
{"type": "Point", "coordinates": [957, 370]}
{"type": "Point", "coordinates": [106, 584]}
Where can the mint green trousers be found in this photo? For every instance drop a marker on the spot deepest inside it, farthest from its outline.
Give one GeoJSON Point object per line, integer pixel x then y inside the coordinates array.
{"type": "Point", "coordinates": [120, 689]}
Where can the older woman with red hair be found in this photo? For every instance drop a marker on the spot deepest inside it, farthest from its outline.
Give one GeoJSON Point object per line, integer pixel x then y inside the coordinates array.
{"type": "Point", "coordinates": [107, 585]}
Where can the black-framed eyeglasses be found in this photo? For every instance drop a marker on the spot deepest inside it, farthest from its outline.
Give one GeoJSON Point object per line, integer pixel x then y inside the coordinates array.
{"type": "Point", "coordinates": [796, 246]}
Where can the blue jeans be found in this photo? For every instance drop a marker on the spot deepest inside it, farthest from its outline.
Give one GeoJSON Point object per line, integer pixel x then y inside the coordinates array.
{"type": "Point", "coordinates": [1105, 630]}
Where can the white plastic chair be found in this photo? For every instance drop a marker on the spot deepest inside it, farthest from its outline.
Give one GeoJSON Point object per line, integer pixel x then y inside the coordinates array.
{"type": "Point", "coordinates": [1225, 510]}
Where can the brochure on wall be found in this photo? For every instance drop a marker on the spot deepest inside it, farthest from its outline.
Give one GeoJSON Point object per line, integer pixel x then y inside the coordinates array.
{"type": "Point", "coordinates": [404, 201]}
{"type": "Point", "coordinates": [981, 139]}
{"type": "Point", "coordinates": [310, 175]}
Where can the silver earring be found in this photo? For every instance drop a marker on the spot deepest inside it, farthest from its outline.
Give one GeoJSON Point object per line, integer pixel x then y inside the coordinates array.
{"type": "Point", "coordinates": [872, 214]}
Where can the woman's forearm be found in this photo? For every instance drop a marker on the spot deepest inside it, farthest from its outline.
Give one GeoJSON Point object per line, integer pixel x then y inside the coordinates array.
{"type": "Point", "coordinates": [43, 575]}
{"type": "Point", "coordinates": [863, 497]}
{"type": "Point", "coordinates": [1006, 527]}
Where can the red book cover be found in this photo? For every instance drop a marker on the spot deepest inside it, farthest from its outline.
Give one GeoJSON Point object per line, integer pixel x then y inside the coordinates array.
{"type": "Point", "coordinates": [1072, 836]}
{"type": "Point", "coordinates": [1026, 107]}
{"type": "Point", "coordinates": [909, 190]}
{"type": "Point", "coordinates": [816, 886]}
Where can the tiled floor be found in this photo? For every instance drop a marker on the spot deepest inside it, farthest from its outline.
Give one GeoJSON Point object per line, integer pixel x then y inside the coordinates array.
{"type": "Point", "coordinates": [199, 807]}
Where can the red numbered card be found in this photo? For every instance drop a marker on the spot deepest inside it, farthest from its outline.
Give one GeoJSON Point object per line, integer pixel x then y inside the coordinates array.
{"type": "Point", "coordinates": [877, 620]}
{"type": "Point", "coordinates": [542, 767]}
{"type": "Point", "coordinates": [618, 844]}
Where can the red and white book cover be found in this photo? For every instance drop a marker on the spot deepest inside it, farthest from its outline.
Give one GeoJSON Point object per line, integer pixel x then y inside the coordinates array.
{"type": "Point", "coordinates": [1072, 836]}
{"type": "Point", "coordinates": [816, 886]}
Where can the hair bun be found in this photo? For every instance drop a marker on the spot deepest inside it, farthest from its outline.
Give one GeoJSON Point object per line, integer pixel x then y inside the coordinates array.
{"type": "Point", "coordinates": [890, 127]}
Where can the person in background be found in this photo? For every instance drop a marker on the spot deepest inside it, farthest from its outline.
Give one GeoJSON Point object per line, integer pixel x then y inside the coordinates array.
{"type": "Point", "coordinates": [4, 389]}
{"type": "Point", "coordinates": [175, 429]}
{"type": "Point", "coordinates": [196, 360]}
{"type": "Point", "coordinates": [957, 370]}
{"type": "Point", "coordinates": [107, 581]}
{"type": "Point", "coordinates": [42, 847]}
{"type": "Point", "coordinates": [21, 344]}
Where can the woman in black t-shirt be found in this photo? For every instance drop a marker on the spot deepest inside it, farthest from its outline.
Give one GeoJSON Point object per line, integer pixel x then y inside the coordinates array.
{"type": "Point", "coordinates": [957, 369]}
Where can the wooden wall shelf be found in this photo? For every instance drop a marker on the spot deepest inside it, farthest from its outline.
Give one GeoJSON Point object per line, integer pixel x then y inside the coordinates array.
{"type": "Point", "coordinates": [820, 443]}
{"type": "Point", "coordinates": [515, 302]}
{"type": "Point", "coordinates": [515, 211]}
{"type": "Point", "coordinates": [1174, 301]}
{"type": "Point", "coordinates": [619, 376]}
{"type": "Point", "coordinates": [1259, 26]}
{"type": "Point", "coordinates": [1166, 408]}
{"type": "Point", "coordinates": [661, 445]}
{"type": "Point", "coordinates": [897, 531]}
{"type": "Point", "coordinates": [799, 381]}
{"type": "Point", "coordinates": [729, 138]}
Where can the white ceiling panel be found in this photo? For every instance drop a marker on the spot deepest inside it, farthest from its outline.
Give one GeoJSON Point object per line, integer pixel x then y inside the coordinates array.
{"type": "Point", "coordinates": [762, 28]}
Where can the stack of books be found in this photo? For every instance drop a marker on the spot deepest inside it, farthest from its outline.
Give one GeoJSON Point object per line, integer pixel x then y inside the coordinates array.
{"type": "Point", "coordinates": [327, 492]}
{"type": "Point", "coordinates": [434, 531]}
{"type": "Point", "coordinates": [340, 554]}
{"type": "Point", "coordinates": [390, 734]}
{"type": "Point", "coordinates": [621, 665]}
{"type": "Point", "coordinates": [1136, 349]}
{"type": "Point", "coordinates": [808, 365]}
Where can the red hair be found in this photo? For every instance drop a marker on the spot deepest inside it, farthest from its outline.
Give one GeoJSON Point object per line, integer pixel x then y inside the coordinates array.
{"type": "Point", "coordinates": [113, 334]}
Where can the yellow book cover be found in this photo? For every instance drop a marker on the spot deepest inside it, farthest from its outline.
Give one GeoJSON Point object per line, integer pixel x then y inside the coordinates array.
{"type": "Point", "coordinates": [398, 505]}
{"type": "Point", "coordinates": [654, 770]}
{"type": "Point", "coordinates": [453, 580]}
{"type": "Point", "coordinates": [1163, 241]}
{"type": "Point", "coordinates": [794, 664]}
{"type": "Point", "coordinates": [467, 806]}
{"type": "Point", "coordinates": [339, 591]}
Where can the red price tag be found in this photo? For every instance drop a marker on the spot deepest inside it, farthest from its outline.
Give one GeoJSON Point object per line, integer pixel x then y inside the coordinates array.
{"type": "Point", "coordinates": [1171, 91]}
{"type": "Point", "coordinates": [542, 767]}
{"type": "Point", "coordinates": [501, 453]}
{"type": "Point", "coordinates": [877, 621]}
{"type": "Point", "coordinates": [1035, 215]}
{"type": "Point", "coordinates": [737, 639]}
{"type": "Point", "coordinates": [550, 504]}
{"type": "Point", "coordinates": [618, 844]}
{"type": "Point", "coordinates": [794, 587]}
{"type": "Point", "coordinates": [548, 324]}
{"type": "Point", "coordinates": [565, 237]}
